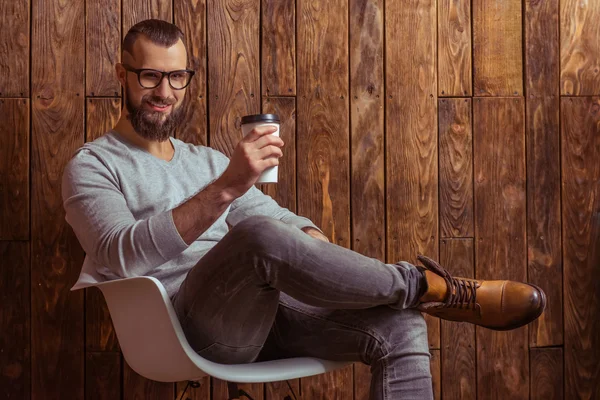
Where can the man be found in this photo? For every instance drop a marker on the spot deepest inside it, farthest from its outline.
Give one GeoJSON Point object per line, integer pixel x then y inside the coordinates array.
{"type": "Point", "coordinates": [144, 203]}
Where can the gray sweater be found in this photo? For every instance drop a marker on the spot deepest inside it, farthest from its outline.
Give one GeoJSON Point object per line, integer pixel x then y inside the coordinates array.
{"type": "Point", "coordinates": [119, 199]}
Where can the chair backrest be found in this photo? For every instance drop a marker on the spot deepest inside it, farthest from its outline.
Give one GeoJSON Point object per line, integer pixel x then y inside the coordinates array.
{"type": "Point", "coordinates": [148, 330]}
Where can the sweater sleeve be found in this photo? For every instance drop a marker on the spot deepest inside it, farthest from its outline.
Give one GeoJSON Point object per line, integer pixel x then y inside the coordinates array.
{"type": "Point", "coordinates": [105, 227]}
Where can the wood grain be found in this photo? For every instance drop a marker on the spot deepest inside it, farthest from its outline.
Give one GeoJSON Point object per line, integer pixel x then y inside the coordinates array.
{"type": "Point", "coordinates": [323, 133]}
{"type": "Point", "coordinates": [580, 127]}
{"type": "Point", "coordinates": [278, 64]}
{"type": "Point", "coordinates": [15, 321]}
{"type": "Point", "coordinates": [136, 387]}
{"type": "Point", "coordinates": [135, 11]}
{"type": "Point", "coordinates": [497, 51]}
{"type": "Point", "coordinates": [543, 167]}
{"type": "Point", "coordinates": [436, 377]}
{"type": "Point", "coordinates": [219, 392]}
{"type": "Point", "coordinates": [546, 374]}
{"type": "Point", "coordinates": [103, 47]}
{"type": "Point", "coordinates": [454, 48]}
{"type": "Point", "coordinates": [456, 167]}
{"type": "Point", "coordinates": [102, 375]}
{"type": "Point", "coordinates": [99, 332]}
{"type": "Point", "coordinates": [14, 169]}
{"type": "Point", "coordinates": [332, 385]}
{"type": "Point", "coordinates": [57, 345]}
{"type": "Point", "coordinates": [459, 354]}
{"type": "Point", "coordinates": [233, 66]}
{"type": "Point", "coordinates": [101, 116]}
{"type": "Point", "coordinates": [190, 17]}
{"type": "Point", "coordinates": [500, 234]}
{"type": "Point", "coordinates": [324, 143]}
{"type": "Point", "coordinates": [284, 192]}
{"type": "Point", "coordinates": [411, 137]}
{"type": "Point", "coordinates": [367, 121]}
{"type": "Point", "coordinates": [579, 47]}
{"type": "Point", "coordinates": [14, 48]}
{"type": "Point", "coordinates": [367, 183]}
{"type": "Point", "coordinates": [279, 390]}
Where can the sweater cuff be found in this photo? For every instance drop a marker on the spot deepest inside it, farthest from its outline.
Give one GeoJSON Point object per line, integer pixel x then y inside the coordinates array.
{"type": "Point", "coordinates": [165, 236]}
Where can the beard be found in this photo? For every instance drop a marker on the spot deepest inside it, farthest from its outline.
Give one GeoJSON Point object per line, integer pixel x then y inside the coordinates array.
{"type": "Point", "coordinates": [153, 125]}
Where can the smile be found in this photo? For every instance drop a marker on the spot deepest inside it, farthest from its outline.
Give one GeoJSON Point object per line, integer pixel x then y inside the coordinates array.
{"type": "Point", "coordinates": [159, 107]}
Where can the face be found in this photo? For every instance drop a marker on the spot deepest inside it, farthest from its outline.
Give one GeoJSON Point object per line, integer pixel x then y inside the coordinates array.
{"type": "Point", "coordinates": [153, 113]}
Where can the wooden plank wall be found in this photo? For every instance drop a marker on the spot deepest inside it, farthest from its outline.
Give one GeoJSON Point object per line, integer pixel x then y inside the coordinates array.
{"type": "Point", "coordinates": [466, 130]}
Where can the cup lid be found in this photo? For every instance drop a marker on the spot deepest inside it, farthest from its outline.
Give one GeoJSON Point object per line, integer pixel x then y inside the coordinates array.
{"type": "Point", "coordinates": [260, 118]}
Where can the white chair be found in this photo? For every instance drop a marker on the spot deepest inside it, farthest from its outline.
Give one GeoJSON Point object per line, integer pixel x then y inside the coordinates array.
{"type": "Point", "coordinates": [154, 345]}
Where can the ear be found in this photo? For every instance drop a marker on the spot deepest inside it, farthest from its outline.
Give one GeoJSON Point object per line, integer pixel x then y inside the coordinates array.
{"type": "Point", "coordinates": [121, 74]}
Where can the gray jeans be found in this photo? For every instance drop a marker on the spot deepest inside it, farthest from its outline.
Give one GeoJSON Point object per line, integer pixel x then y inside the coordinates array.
{"type": "Point", "coordinates": [267, 290]}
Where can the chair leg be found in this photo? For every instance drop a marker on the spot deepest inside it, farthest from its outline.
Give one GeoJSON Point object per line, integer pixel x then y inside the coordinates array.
{"type": "Point", "coordinates": [236, 393]}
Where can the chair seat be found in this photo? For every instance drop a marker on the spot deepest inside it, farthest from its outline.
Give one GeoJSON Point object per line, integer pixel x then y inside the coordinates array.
{"type": "Point", "coordinates": [154, 345]}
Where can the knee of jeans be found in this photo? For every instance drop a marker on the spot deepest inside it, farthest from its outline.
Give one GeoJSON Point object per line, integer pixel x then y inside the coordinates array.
{"type": "Point", "coordinates": [412, 336]}
{"type": "Point", "coordinates": [260, 232]}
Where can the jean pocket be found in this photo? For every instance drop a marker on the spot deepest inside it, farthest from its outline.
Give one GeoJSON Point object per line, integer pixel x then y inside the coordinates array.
{"type": "Point", "coordinates": [224, 354]}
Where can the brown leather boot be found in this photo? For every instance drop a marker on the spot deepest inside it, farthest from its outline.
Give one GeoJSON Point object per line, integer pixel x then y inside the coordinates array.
{"type": "Point", "coordinates": [498, 305]}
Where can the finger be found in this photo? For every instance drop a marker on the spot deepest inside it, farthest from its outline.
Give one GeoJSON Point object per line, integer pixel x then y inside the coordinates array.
{"type": "Point", "coordinates": [268, 140]}
{"type": "Point", "coordinates": [268, 152]}
{"type": "Point", "coordinates": [259, 132]}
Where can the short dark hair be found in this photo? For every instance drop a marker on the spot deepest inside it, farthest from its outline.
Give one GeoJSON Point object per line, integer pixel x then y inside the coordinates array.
{"type": "Point", "coordinates": [158, 31]}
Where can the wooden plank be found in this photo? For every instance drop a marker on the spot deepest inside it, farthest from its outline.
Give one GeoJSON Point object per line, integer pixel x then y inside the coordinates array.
{"type": "Point", "coordinates": [362, 381]}
{"type": "Point", "coordinates": [57, 347]}
{"type": "Point", "coordinates": [14, 169]}
{"type": "Point", "coordinates": [367, 122]}
{"type": "Point", "coordinates": [199, 393]}
{"type": "Point", "coordinates": [135, 11]}
{"type": "Point", "coordinates": [323, 149]}
{"type": "Point", "coordinates": [580, 126]}
{"type": "Point", "coordinates": [14, 52]}
{"type": "Point", "coordinates": [324, 144]}
{"type": "Point", "coordinates": [458, 339]}
{"type": "Point", "coordinates": [278, 64]}
{"type": "Point", "coordinates": [546, 374]}
{"type": "Point", "coordinates": [233, 66]}
{"type": "Point", "coordinates": [579, 47]}
{"type": "Point", "coordinates": [367, 116]}
{"type": "Point", "coordinates": [15, 321]}
{"type": "Point", "coordinates": [102, 376]}
{"type": "Point", "coordinates": [332, 385]}
{"type": "Point", "coordinates": [456, 168]}
{"type": "Point", "coordinates": [101, 116]}
{"type": "Point", "coordinates": [103, 47]}
{"type": "Point", "coordinates": [279, 390]}
{"type": "Point", "coordinates": [190, 17]}
{"type": "Point", "coordinates": [255, 390]}
{"type": "Point", "coordinates": [497, 48]}
{"type": "Point", "coordinates": [99, 332]}
{"type": "Point", "coordinates": [136, 387]}
{"type": "Point", "coordinates": [411, 136]}
{"type": "Point", "coordinates": [436, 378]}
{"type": "Point", "coordinates": [284, 192]}
{"type": "Point", "coordinates": [500, 234]}
{"type": "Point", "coordinates": [454, 48]}
{"type": "Point", "coordinates": [543, 167]}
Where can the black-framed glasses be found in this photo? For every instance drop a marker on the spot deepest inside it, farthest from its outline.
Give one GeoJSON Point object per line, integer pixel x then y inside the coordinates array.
{"type": "Point", "coordinates": [151, 78]}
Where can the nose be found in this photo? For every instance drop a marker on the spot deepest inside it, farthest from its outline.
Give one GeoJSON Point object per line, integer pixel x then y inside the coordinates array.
{"type": "Point", "coordinates": [163, 90]}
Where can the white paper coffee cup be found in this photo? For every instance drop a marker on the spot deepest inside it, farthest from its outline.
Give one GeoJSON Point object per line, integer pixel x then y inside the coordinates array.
{"type": "Point", "coordinates": [249, 122]}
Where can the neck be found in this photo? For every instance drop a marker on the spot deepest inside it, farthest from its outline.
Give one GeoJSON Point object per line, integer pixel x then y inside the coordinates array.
{"type": "Point", "coordinates": [163, 150]}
